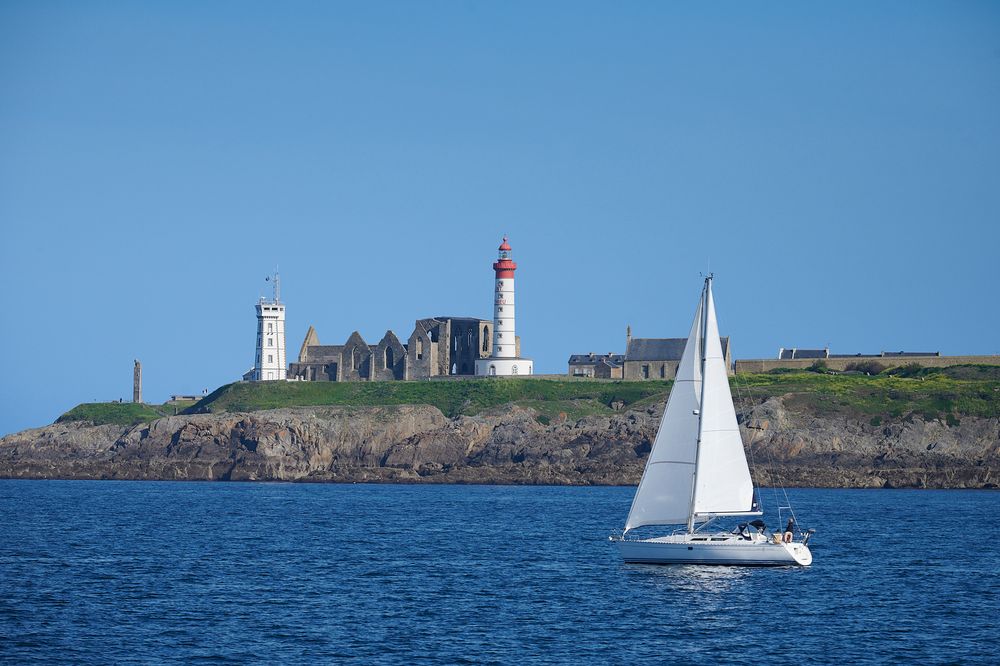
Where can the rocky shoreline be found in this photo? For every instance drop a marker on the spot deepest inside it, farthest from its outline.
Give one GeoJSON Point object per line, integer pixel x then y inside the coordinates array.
{"type": "Point", "coordinates": [419, 444]}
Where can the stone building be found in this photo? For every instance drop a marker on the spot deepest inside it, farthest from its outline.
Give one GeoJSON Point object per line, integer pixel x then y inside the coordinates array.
{"type": "Point", "coordinates": [658, 358]}
{"type": "Point", "coordinates": [437, 347]}
{"type": "Point", "coordinates": [644, 358]}
{"type": "Point", "coordinates": [604, 366]}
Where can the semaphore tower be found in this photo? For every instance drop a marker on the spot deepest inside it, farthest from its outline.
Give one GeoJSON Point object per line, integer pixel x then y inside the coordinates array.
{"type": "Point", "coordinates": [269, 364]}
{"type": "Point", "coordinates": [504, 360]}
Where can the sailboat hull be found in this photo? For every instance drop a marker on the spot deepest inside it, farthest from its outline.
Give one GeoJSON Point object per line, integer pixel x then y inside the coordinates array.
{"type": "Point", "coordinates": [682, 549]}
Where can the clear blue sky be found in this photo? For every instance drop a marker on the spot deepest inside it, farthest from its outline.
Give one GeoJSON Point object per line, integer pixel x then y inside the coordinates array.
{"type": "Point", "coordinates": [836, 164]}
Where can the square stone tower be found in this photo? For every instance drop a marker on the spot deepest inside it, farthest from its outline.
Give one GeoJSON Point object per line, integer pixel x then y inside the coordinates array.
{"type": "Point", "coordinates": [269, 363]}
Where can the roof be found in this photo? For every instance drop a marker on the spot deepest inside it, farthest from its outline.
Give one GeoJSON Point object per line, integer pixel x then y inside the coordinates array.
{"type": "Point", "coordinates": [662, 349]}
{"type": "Point", "coordinates": [320, 353]}
{"type": "Point", "coordinates": [614, 360]}
{"type": "Point", "coordinates": [463, 319]}
{"type": "Point", "coordinates": [504, 245]}
{"type": "Point", "coordinates": [786, 354]}
{"type": "Point", "coordinates": [884, 354]}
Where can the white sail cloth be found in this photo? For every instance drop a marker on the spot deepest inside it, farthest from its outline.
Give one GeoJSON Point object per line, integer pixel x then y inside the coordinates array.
{"type": "Point", "coordinates": [724, 484]}
{"type": "Point", "coordinates": [667, 494]}
{"type": "Point", "coordinates": [664, 493]}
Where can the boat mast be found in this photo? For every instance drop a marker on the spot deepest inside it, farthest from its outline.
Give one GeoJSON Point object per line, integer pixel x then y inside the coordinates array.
{"type": "Point", "coordinates": [701, 399]}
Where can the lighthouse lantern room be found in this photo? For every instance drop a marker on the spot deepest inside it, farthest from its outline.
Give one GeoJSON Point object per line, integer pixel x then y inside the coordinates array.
{"type": "Point", "coordinates": [503, 360]}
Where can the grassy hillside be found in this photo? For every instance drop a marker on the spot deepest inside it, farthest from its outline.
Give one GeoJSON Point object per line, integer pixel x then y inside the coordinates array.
{"type": "Point", "coordinates": [119, 413]}
{"type": "Point", "coordinates": [947, 394]}
{"type": "Point", "coordinates": [932, 393]}
{"type": "Point", "coordinates": [553, 398]}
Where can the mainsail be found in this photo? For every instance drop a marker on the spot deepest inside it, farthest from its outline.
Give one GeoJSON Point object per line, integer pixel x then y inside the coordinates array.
{"type": "Point", "coordinates": [664, 493]}
{"type": "Point", "coordinates": [696, 466]}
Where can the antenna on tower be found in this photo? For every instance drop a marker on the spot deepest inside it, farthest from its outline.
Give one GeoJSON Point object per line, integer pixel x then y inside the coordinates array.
{"type": "Point", "coordinates": [275, 281]}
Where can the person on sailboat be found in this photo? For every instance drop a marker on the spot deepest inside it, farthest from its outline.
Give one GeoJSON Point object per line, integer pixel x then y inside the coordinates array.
{"type": "Point", "coordinates": [789, 530]}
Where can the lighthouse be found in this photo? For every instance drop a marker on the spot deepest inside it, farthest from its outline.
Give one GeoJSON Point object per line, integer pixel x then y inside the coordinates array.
{"type": "Point", "coordinates": [503, 360]}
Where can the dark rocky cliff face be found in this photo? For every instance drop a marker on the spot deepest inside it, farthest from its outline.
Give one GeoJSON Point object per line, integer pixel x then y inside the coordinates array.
{"type": "Point", "coordinates": [420, 444]}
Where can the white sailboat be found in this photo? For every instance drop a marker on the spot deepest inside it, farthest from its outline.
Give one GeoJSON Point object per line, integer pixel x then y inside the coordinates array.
{"type": "Point", "coordinates": [697, 470]}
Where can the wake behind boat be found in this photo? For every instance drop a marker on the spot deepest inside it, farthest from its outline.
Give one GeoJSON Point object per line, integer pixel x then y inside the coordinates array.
{"type": "Point", "coordinates": [697, 471]}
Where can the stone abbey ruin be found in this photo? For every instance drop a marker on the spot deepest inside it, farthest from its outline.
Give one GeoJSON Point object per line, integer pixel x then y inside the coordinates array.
{"type": "Point", "coordinates": [437, 347]}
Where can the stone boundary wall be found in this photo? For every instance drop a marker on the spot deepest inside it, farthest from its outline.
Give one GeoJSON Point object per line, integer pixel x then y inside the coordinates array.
{"type": "Point", "coordinates": [767, 364]}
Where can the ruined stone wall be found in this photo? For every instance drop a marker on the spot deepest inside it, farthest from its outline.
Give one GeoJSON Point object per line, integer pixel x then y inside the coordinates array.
{"type": "Point", "coordinates": [314, 372]}
{"type": "Point", "coordinates": [421, 350]}
{"type": "Point", "coordinates": [388, 359]}
{"type": "Point", "coordinates": [357, 359]}
{"type": "Point", "coordinates": [466, 345]}
{"type": "Point", "coordinates": [441, 337]}
{"type": "Point", "coordinates": [437, 347]}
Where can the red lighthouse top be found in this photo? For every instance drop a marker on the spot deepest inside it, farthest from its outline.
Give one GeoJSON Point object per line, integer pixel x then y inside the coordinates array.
{"type": "Point", "coordinates": [503, 266]}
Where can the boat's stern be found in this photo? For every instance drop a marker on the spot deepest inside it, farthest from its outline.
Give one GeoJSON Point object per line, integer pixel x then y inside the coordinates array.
{"type": "Point", "coordinates": [800, 553]}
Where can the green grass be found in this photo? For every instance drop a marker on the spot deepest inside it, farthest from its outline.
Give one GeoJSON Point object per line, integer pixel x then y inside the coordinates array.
{"type": "Point", "coordinates": [930, 393]}
{"type": "Point", "coordinates": [116, 413]}
{"type": "Point", "coordinates": [553, 398]}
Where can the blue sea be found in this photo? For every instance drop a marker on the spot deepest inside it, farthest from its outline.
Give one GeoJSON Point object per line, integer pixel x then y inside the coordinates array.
{"type": "Point", "coordinates": [145, 572]}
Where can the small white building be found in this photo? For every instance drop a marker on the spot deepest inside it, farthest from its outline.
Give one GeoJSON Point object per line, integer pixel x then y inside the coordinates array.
{"type": "Point", "coordinates": [269, 363]}
{"type": "Point", "coordinates": [503, 359]}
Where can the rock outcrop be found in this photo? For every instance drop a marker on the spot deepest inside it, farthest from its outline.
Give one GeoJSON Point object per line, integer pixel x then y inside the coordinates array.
{"type": "Point", "coordinates": [419, 444]}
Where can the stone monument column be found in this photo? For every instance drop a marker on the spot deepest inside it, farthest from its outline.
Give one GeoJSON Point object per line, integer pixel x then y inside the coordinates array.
{"type": "Point", "coordinates": [137, 382]}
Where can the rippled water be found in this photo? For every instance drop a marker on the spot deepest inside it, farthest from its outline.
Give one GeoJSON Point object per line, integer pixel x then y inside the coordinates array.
{"type": "Point", "coordinates": [123, 571]}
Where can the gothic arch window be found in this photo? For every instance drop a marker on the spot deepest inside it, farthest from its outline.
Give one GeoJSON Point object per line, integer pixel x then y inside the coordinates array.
{"type": "Point", "coordinates": [493, 369]}
{"type": "Point", "coordinates": [420, 349]}
{"type": "Point", "coordinates": [388, 357]}
{"type": "Point", "coordinates": [469, 339]}
{"type": "Point", "coordinates": [486, 339]}
{"type": "Point", "coordinates": [513, 370]}
{"type": "Point", "coordinates": [356, 359]}
{"type": "Point", "coordinates": [454, 369]}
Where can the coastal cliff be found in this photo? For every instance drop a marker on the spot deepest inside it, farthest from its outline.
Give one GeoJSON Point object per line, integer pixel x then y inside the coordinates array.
{"type": "Point", "coordinates": [790, 444]}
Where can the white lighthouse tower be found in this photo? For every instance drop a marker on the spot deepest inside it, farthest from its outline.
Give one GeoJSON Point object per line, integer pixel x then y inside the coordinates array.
{"type": "Point", "coordinates": [503, 360]}
{"type": "Point", "coordinates": [269, 364]}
